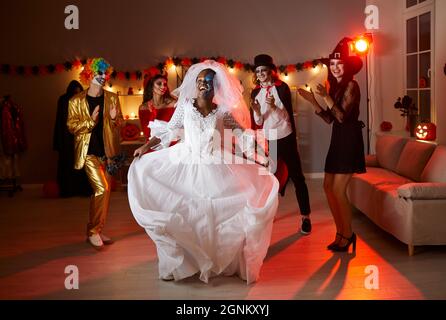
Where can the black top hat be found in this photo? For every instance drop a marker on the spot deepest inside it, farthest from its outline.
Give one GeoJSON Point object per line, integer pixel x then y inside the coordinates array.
{"type": "Point", "coordinates": [264, 60]}
{"type": "Point", "coordinates": [342, 52]}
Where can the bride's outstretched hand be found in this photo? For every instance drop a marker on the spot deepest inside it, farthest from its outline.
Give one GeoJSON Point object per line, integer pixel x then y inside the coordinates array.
{"type": "Point", "coordinates": [140, 151]}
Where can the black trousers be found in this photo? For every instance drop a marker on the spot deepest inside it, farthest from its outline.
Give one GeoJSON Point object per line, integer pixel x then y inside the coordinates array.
{"type": "Point", "coordinates": [288, 153]}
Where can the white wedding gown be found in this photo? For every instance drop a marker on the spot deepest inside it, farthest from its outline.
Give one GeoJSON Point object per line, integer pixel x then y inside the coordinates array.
{"type": "Point", "coordinates": [206, 215]}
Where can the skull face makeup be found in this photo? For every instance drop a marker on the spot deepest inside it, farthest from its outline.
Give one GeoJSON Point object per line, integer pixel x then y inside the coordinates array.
{"type": "Point", "coordinates": [263, 74]}
{"type": "Point", "coordinates": [205, 84]}
{"type": "Point", "coordinates": [99, 79]}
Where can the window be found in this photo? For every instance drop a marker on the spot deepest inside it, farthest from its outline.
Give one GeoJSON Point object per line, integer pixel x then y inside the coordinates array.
{"type": "Point", "coordinates": [411, 3]}
{"type": "Point", "coordinates": [419, 58]}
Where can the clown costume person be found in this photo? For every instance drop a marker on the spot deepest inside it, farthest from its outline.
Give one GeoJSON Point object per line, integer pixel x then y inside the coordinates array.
{"type": "Point", "coordinates": [95, 118]}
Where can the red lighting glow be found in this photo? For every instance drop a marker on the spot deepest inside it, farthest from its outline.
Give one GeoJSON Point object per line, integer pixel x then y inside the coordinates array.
{"type": "Point", "coordinates": [361, 44]}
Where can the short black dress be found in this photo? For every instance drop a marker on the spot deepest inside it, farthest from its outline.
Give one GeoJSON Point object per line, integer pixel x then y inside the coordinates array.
{"type": "Point", "coordinates": [346, 152]}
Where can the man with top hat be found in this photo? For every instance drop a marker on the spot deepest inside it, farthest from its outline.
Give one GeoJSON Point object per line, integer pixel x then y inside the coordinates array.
{"type": "Point", "coordinates": [272, 110]}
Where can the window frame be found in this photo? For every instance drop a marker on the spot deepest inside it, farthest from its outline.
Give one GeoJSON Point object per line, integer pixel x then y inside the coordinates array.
{"type": "Point", "coordinates": [409, 13]}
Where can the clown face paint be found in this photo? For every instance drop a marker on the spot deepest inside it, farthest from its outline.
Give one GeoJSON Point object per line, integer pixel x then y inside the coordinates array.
{"type": "Point", "coordinates": [99, 79]}
{"type": "Point", "coordinates": [205, 84]}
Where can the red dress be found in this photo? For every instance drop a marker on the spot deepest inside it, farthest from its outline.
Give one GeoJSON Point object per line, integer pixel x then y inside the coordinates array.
{"type": "Point", "coordinates": [151, 113]}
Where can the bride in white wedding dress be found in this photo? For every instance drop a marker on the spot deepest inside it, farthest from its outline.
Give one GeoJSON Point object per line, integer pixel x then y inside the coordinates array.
{"type": "Point", "coordinates": [207, 210]}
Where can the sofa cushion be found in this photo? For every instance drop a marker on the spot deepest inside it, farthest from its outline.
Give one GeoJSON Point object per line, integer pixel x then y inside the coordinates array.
{"type": "Point", "coordinates": [435, 170]}
{"type": "Point", "coordinates": [413, 159]}
{"type": "Point", "coordinates": [388, 150]}
{"type": "Point", "coordinates": [374, 193]}
{"type": "Point", "coordinates": [423, 190]}
{"type": "Point", "coordinates": [371, 160]}
{"type": "Point", "coordinates": [379, 176]}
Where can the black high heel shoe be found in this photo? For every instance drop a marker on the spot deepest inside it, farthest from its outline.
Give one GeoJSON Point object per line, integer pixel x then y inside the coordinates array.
{"type": "Point", "coordinates": [334, 243]}
{"type": "Point", "coordinates": [351, 240]}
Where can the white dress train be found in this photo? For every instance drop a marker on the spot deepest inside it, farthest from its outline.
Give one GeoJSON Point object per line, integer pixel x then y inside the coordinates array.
{"type": "Point", "coordinates": [206, 215]}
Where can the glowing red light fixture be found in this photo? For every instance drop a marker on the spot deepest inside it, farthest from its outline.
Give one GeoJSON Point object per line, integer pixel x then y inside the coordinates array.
{"type": "Point", "coordinates": [361, 44]}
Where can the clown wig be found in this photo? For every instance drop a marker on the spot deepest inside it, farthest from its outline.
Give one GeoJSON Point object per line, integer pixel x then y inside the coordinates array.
{"type": "Point", "coordinates": [93, 67]}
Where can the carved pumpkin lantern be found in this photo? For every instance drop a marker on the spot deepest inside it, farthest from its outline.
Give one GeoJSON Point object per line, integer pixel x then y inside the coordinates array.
{"type": "Point", "coordinates": [130, 132]}
{"type": "Point", "coordinates": [426, 131]}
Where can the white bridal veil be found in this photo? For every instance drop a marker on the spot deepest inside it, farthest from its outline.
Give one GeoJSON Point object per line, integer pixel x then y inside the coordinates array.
{"type": "Point", "coordinates": [228, 90]}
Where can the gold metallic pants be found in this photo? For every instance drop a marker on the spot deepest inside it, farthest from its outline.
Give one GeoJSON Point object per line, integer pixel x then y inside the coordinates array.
{"type": "Point", "coordinates": [100, 182]}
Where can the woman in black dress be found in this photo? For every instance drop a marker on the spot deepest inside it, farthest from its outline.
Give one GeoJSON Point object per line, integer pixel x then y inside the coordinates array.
{"type": "Point", "coordinates": [346, 153]}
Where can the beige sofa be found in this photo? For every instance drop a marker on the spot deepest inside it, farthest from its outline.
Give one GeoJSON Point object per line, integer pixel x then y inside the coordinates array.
{"type": "Point", "coordinates": [404, 190]}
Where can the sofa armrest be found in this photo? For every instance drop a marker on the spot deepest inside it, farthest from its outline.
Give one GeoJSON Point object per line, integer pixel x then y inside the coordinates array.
{"type": "Point", "coordinates": [423, 190]}
{"type": "Point", "coordinates": [371, 160]}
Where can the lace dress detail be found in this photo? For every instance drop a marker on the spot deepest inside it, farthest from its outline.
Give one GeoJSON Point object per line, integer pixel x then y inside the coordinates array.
{"type": "Point", "coordinates": [346, 152]}
{"type": "Point", "coordinates": [207, 122]}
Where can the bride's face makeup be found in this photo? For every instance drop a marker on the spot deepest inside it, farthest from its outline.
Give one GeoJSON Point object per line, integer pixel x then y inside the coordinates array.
{"type": "Point", "coordinates": [205, 84]}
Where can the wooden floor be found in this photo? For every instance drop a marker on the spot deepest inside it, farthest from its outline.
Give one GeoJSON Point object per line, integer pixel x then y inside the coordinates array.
{"type": "Point", "coordinates": [40, 237]}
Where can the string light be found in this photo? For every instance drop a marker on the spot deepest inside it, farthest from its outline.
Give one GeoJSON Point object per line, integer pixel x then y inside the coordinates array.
{"type": "Point", "coordinates": [231, 70]}
{"type": "Point", "coordinates": [316, 69]}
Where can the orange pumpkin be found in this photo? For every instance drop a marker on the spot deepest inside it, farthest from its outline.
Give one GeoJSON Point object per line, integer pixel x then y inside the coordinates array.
{"type": "Point", "coordinates": [426, 131]}
{"type": "Point", "coordinates": [130, 132]}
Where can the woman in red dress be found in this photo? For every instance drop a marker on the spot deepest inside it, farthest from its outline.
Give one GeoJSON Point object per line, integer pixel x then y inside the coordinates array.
{"type": "Point", "coordinates": [157, 103]}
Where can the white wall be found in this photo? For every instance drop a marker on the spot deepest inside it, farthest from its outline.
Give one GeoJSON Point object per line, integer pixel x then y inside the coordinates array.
{"type": "Point", "coordinates": [387, 67]}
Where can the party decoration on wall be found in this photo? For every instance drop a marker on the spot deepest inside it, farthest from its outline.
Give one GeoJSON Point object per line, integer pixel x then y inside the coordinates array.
{"type": "Point", "coordinates": [386, 126]}
{"type": "Point", "coordinates": [170, 63]}
{"type": "Point", "coordinates": [426, 131]}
